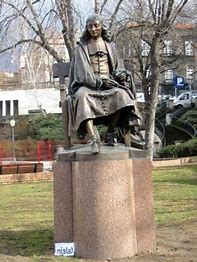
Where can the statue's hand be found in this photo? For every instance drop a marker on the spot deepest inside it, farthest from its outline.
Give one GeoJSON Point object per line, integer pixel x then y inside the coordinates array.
{"type": "Point", "coordinates": [121, 76]}
{"type": "Point", "coordinates": [108, 83]}
{"type": "Point", "coordinates": [99, 83]}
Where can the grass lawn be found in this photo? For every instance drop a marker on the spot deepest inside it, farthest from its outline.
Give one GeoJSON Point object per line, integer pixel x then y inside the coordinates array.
{"type": "Point", "coordinates": [26, 217]}
{"type": "Point", "coordinates": [175, 194]}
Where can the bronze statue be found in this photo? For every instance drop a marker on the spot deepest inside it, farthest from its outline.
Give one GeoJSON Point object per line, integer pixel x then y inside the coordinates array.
{"type": "Point", "coordinates": [97, 86]}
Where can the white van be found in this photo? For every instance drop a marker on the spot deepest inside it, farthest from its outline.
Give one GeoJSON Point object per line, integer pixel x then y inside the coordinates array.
{"type": "Point", "coordinates": [187, 99]}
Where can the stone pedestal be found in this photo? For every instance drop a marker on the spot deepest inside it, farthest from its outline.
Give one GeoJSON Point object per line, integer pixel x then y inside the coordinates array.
{"type": "Point", "coordinates": [63, 202]}
{"type": "Point", "coordinates": [103, 203]}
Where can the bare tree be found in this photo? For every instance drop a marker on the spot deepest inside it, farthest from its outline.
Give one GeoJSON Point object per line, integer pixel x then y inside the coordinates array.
{"type": "Point", "coordinates": [96, 6]}
{"type": "Point", "coordinates": [31, 71]}
{"type": "Point", "coordinates": [150, 22]}
{"type": "Point", "coordinates": [113, 16]}
{"type": "Point", "coordinates": [111, 11]}
{"type": "Point", "coordinates": [40, 18]}
{"type": "Point", "coordinates": [152, 18]}
{"type": "Point", "coordinates": [65, 10]}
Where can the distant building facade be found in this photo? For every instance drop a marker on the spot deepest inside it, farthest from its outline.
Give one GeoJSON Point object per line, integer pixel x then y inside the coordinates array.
{"type": "Point", "coordinates": [179, 56]}
{"type": "Point", "coordinates": [181, 49]}
{"type": "Point", "coordinates": [24, 100]}
{"type": "Point", "coordinates": [7, 78]}
{"type": "Point", "coordinates": [32, 89]}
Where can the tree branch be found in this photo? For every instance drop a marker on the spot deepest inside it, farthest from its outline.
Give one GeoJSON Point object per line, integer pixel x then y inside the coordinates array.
{"type": "Point", "coordinates": [113, 16]}
{"type": "Point", "coordinates": [65, 13]}
{"type": "Point", "coordinates": [103, 5]}
{"type": "Point", "coordinates": [45, 42]}
{"type": "Point", "coordinates": [23, 16]}
{"type": "Point", "coordinates": [20, 42]}
{"type": "Point", "coordinates": [96, 6]}
{"type": "Point", "coordinates": [151, 10]}
{"type": "Point", "coordinates": [169, 8]}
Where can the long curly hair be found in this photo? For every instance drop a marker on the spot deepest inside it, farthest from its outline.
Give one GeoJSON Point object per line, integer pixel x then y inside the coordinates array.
{"type": "Point", "coordinates": [105, 34]}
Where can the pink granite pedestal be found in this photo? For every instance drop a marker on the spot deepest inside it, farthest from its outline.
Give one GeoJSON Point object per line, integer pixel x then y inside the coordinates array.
{"type": "Point", "coordinates": [63, 202]}
{"type": "Point", "coordinates": [103, 203]}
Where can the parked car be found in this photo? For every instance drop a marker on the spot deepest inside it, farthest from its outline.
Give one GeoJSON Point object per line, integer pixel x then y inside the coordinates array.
{"type": "Point", "coordinates": [187, 99]}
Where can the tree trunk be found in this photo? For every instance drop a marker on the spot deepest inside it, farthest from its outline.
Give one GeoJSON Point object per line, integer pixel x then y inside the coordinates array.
{"type": "Point", "coordinates": [151, 104]}
{"type": "Point", "coordinates": [65, 11]}
{"type": "Point", "coordinates": [96, 7]}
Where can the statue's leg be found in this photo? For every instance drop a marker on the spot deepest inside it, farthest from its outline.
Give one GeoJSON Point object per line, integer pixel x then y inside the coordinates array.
{"type": "Point", "coordinates": [93, 137]}
{"type": "Point", "coordinates": [114, 121]}
{"type": "Point", "coordinates": [90, 129]}
{"type": "Point", "coordinates": [109, 136]}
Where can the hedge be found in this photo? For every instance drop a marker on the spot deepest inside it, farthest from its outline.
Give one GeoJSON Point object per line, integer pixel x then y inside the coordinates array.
{"type": "Point", "coordinates": [188, 148]}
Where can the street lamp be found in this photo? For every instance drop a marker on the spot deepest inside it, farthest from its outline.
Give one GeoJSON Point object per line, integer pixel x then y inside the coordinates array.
{"type": "Point", "coordinates": [12, 124]}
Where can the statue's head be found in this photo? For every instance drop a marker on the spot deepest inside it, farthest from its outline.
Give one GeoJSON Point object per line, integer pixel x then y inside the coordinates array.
{"type": "Point", "coordinates": [94, 29]}
{"type": "Point", "coordinates": [94, 18]}
{"type": "Point", "coordinates": [94, 26]}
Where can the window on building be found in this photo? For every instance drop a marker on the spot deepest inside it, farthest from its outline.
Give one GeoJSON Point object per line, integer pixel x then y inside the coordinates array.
{"type": "Point", "coordinates": [169, 74]}
{"type": "Point", "coordinates": [15, 107]}
{"type": "Point", "coordinates": [145, 49]}
{"type": "Point", "coordinates": [148, 73]}
{"type": "Point", "coordinates": [1, 108]}
{"type": "Point", "coordinates": [189, 48]}
{"type": "Point", "coordinates": [189, 72]}
{"type": "Point", "coordinates": [7, 108]}
{"type": "Point", "coordinates": [167, 48]}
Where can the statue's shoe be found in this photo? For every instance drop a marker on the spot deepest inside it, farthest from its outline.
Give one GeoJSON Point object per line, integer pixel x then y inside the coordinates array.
{"type": "Point", "coordinates": [110, 139]}
{"type": "Point", "coordinates": [95, 145]}
{"type": "Point", "coordinates": [136, 138]}
{"type": "Point", "coordinates": [137, 141]}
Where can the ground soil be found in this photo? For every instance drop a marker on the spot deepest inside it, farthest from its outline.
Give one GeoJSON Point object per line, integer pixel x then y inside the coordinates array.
{"type": "Point", "coordinates": [175, 243]}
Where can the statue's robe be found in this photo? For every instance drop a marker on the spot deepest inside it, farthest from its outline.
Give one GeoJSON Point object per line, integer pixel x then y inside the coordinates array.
{"type": "Point", "coordinates": [89, 102]}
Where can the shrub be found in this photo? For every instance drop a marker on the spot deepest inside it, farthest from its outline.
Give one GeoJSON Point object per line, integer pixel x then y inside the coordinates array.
{"type": "Point", "coordinates": [188, 148]}
{"type": "Point", "coordinates": [190, 117]}
{"type": "Point", "coordinates": [40, 127]}
{"type": "Point", "coordinates": [166, 152]}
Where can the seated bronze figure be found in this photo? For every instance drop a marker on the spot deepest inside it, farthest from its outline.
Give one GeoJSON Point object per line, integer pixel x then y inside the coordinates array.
{"type": "Point", "coordinates": [97, 87]}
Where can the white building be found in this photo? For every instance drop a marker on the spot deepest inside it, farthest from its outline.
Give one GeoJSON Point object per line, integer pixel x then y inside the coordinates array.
{"type": "Point", "coordinates": [27, 101]}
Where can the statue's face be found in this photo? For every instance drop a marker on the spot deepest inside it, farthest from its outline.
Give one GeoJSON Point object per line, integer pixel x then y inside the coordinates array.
{"type": "Point", "coordinates": [94, 28]}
